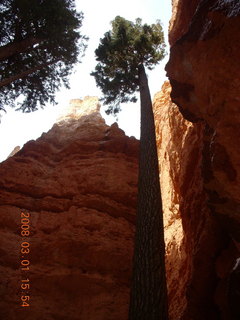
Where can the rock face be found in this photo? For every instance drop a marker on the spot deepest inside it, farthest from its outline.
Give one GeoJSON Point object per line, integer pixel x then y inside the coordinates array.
{"type": "Point", "coordinates": [182, 12]}
{"type": "Point", "coordinates": [78, 182]}
{"type": "Point", "coordinates": [200, 160]}
{"type": "Point", "coordinates": [15, 150]}
{"type": "Point", "coordinates": [200, 252]}
{"type": "Point", "coordinates": [179, 150]}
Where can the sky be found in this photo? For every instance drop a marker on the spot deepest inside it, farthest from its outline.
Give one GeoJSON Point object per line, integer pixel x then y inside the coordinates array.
{"type": "Point", "coordinates": [17, 128]}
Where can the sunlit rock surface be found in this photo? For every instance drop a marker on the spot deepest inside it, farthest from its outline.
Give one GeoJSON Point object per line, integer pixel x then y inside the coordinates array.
{"type": "Point", "coordinates": [200, 252]}
{"type": "Point", "coordinates": [15, 150]}
{"type": "Point", "coordinates": [79, 184]}
{"type": "Point", "coordinates": [179, 154]}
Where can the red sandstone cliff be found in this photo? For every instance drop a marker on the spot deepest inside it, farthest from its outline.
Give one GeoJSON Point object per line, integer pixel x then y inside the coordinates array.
{"type": "Point", "coordinates": [200, 160]}
{"type": "Point", "coordinates": [79, 184]}
{"type": "Point", "coordinates": [192, 236]}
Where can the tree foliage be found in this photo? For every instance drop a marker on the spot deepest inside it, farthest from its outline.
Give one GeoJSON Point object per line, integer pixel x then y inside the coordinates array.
{"type": "Point", "coordinates": [40, 43]}
{"type": "Point", "coordinates": [120, 53]}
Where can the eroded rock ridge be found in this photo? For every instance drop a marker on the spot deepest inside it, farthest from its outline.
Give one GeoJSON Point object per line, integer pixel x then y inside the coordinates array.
{"type": "Point", "coordinates": [79, 183]}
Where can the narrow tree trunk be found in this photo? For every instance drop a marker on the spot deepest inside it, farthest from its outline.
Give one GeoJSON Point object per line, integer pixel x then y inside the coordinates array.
{"type": "Point", "coordinates": [149, 293]}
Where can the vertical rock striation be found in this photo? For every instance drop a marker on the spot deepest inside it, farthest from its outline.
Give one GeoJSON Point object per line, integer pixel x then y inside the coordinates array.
{"type": "Point", "coordinates": [200, 160]}
{"type": "Point", "coordinates": [185, 212]}
{"type": "Point", "coordinates": [200, 254]}
{"type": "Point", "coordinates": [79, 184]}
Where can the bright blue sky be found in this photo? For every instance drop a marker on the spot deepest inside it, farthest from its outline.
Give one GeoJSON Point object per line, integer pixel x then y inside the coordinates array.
{"type": "Point", "coordinates": [17, 128]}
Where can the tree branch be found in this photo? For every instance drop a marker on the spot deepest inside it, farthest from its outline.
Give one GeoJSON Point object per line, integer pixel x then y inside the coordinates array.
{"type": "Point", "coordinates": [24, 74]}
{"type": "Point", "coordinates": [13, 48]}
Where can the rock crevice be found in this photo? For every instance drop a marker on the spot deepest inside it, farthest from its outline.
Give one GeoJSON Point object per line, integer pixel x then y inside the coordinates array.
{"type": "Point", "coordinates": [199, 160]}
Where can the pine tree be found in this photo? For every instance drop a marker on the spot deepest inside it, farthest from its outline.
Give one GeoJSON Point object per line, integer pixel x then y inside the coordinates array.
{"type": "Point", "coordinates": [40, 43]}
{"type": "Point", "coordinates": [123, 54]}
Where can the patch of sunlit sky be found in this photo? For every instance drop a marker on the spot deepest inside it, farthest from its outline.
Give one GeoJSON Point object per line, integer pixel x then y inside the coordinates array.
{"type": "Point", "coordinates": [17, 128]}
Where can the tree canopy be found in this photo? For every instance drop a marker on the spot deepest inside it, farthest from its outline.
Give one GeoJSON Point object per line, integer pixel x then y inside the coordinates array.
{"type": "Point", "coordinates": [40, 43]}
{"type": "Point", "coordinates": [120, 53]}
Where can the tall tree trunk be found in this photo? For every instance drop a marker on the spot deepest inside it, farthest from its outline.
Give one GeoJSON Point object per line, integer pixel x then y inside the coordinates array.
{"type": "Point", "coordinates": [149, 293]}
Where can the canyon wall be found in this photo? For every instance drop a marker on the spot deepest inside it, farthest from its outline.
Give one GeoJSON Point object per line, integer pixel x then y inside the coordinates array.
{"type": "Point", "coordinates": [200, 161]}
{"type": "Point", "coordinates": [78, 182]}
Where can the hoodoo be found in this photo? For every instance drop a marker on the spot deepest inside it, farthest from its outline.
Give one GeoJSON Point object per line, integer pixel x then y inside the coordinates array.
{"type": "Point", "coordinates": [78, 182]}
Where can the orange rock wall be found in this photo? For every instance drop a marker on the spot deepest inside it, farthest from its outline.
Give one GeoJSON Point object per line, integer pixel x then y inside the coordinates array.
{"type": "Point", "coordinates": [200, 161]}
{"type": "Point", "coordinates": [79, 184]}
{"type": "Point", "coordinates": [189, 229]}
{"type": "Point", "coordinates": [182, 12]}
